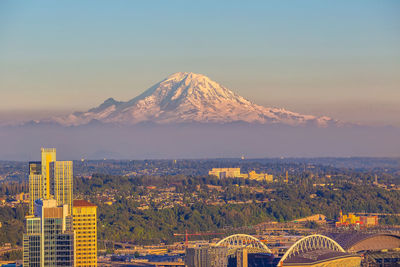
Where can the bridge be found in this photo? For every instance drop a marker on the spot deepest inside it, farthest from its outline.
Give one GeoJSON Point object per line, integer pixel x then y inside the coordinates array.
{"type": "Point", "coordinates": [237, 241]}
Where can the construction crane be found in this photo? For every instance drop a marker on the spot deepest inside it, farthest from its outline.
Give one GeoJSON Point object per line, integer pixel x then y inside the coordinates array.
{"type": "Point", "coordinates": [186, 234]}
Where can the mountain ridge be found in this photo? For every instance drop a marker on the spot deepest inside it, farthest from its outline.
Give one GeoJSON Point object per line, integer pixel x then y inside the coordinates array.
{"type": "Point", "coordinates": [186, 97]}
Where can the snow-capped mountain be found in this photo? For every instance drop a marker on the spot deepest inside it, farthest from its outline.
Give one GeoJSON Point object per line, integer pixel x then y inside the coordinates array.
{"type": "Point", "coordinates": [188, 97]}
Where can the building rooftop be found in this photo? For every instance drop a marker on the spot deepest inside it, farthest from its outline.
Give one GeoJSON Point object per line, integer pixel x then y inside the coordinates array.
{"type": "Point", "coordinates": [368, 241]}
{"type": "Point", "coordinates": [82, 203]}
{"type": "Point", "coordinates": [316, 256]}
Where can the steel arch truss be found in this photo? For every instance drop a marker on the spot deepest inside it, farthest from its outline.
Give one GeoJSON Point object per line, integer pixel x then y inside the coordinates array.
{"type": "Point", "coordinates": [310, 243]}
{"type": "Point", "coordinates": [252, 244]}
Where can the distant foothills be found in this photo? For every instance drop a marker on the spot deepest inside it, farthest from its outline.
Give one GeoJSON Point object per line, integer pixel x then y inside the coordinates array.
{"type": "Point", "coordinates": [188, 115]}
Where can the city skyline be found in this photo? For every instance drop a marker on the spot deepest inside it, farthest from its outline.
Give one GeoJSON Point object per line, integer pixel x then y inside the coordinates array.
{"type": "Point", "coordinates": [60, 230]}
{"type": "Point", "coordinates": [337, 60]}
{"type": "Point", "coordinates": [199, 133]}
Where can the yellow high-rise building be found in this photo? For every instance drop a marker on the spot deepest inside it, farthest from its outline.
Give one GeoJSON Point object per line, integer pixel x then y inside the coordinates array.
{"type": "Point", "coordinates": [35, 184]}
{"type": "Point", "coordinates": [85, 227]}
{"type": "Point", "coordinates": [50, 179]}
{"type": "Point", "coordinates": [48, 156]}
{"type": "Point", "coordinates": [61, 182]}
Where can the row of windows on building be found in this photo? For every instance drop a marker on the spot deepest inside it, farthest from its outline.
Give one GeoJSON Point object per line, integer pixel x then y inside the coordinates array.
{"type": "Point", "coordinates": [82, 255]}
{"type": "Point", "coordinates": [84, 228]}
{"type": "Point", "coordinates": [87, 239]}
{"type": "Point", "coordinates": [87, 245]}
{"type": "Point", "coordinates": [81, 218]}
{"type": "Point", "coordinates": [87, 232]}
{"type": "Point", "coordinates": [78, 211]}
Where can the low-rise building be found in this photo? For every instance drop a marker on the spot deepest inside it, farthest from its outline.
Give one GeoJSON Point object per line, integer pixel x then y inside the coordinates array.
{"type": "Point", "coordinates": [235, 173]}
{"type": "Point", "coordinates": [226, 172]}
{"type": "Point", "coordinates": [207, 256]}
{"type": "Point", "coordinates": [260, 176]}
{"type": "Point", "coordinates": [360, 221]}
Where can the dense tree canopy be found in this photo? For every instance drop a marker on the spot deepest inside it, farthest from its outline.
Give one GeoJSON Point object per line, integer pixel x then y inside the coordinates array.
{"type": "Point", "coordinates": [124, 221]}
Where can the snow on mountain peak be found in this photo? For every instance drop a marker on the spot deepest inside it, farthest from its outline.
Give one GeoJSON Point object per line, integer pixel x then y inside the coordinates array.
{"type": "Point", "coordinates": [188, 97]}
{"type": "Point", "coordinates": [178, 76]}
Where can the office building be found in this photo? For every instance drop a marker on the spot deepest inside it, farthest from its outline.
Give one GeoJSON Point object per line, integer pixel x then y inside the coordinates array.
{"type": "Point", "coordinates": [49, 238]}
{"type": "Point", "coordinates": [35, 184]}
{"type": "Point", "coordinates": [58, 234]}
{"type": "Point", "coordinates": [351, 220]}
{"type": "Point", "coordinates": [207, 256]}
{"type": "Point", "coordinates": [50, 179]}
{"type": "Point", "coordinates": [48, 156]}
{"type": "Point", "coordinates": [61, 177]}
{"type": "Point", "coordinates": [260, 176]}
{"type": "Point", "coordinates": [235, 173]}
{"type": "Point", "coordinates": [226, 172]}
{"type": "Point", "coordinates": [85, 227]}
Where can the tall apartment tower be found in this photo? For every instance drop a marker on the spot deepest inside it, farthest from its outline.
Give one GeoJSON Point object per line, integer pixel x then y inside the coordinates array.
{"type": "Point", "coordinates": [49, 238]}
{"type": "Point", "coordinates": [35, 184]}
{"type": "Point", "coordinates": [50, 179]}
{"type": "Point", "coordinates": [61, 177]}
{"type": "Point", "coordinates": [48, 156]}
{"type": "Point", "coordinates": [85, 227]}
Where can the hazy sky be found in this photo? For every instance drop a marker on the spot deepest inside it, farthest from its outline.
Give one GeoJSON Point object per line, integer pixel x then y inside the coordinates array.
{"type": "Point", "coordinates": [336, 58]}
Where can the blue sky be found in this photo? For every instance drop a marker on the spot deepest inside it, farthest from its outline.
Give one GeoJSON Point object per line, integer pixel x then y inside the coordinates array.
{"type": "Point", "coordinates": [336, 58]}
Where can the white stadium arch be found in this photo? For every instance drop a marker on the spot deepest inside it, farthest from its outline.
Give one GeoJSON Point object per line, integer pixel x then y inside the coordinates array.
{"type": "Point", "coordinates": [309, 243]}
{"type": "Point", "coordinates": [237, 241]}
